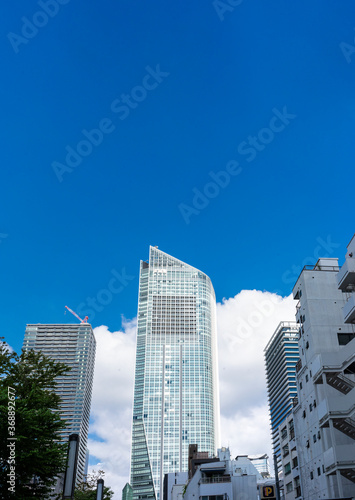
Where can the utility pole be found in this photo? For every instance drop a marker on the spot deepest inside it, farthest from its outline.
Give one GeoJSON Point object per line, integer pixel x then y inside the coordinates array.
{"type": "Point", "coordinates": [277, 482]}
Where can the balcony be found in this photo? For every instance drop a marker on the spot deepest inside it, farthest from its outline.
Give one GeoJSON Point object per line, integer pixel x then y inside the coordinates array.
{"type": "Point", "coordinates": [216, 479]}
{"type": "Point", "coordinates": [346, 276]}
{"type": "Point", "coordinates": [339, 457]}
{"type": "Point", "coordinates": [349, 310]}
{"type": "Point", "coordinates": [340, 407]}
{"type": "Point", "coordinates": [336, 362]}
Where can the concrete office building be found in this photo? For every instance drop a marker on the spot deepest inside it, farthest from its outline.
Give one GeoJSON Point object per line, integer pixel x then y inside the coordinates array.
{"type": "Point", "coordinates": [216, 478]}
{"type": "Point", "coordinates": [176, 386]}
{"type": "Point", "coordinates": [289, 457]}
{"type": "Point", "coordinates": [174, 485]}
{"type": "Point", "coordinates": [223, 478]}
{"type": "Point", "coordinates": [74, 345]}
{"type": "Point", "coordinates": [324, 413]}
{"type": "Point", "coordinates": [281, 356]}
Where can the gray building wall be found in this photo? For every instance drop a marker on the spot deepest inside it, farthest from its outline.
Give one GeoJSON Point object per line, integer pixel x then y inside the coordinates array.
{"type": "Point", "coordinates": [74, 345]}
{"type": "Point", "coordinates": [326, 396]}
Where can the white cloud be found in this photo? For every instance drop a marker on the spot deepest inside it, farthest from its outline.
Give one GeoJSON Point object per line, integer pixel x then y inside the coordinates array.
{"type": "Point", "coordinates": [246, 322]}
{"type": "Point", "coordinates": [111, 409]}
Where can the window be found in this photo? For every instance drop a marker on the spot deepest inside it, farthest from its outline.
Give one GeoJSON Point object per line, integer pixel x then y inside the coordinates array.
{"type": "Point", "coordinates": [345, 338]}
{"type": "Point", "coordinates": [285, 451]}
{"type": "Point", "coordinates": [307, 444]}
{"type": "Point", "coordinates": [289, 487]}
{"type": "Point", "coordinates": [311, 474]}
{"type": "Point", "coordinates": [287, 468]}
{"type": "Point", "coordinates": [314, 438]}
{"type": "Point", "coordinates": [297, 486]}
{"type": "Point", "coordinates": [304, 414]}
{"type": "Point", "coordinates": [300, 385]}
{"type": "Point", "coordinates": [306, 377]}
{"type": "Point", "coordinates": [284, 433]}
{"type": "Point", "coordinates": [314, 403]}
{"type": "Point", "coordinates": [294, 462]}
{"type": "Point", "coordinates": [319, 435]}
{"type": "Point", "coordinates": [310, 407]}
{"type": "Point", "coordinates": [318, 471]}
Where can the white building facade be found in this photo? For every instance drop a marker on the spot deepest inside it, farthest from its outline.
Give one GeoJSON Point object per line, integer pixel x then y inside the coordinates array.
{"type": "Point", "coordinates": [325, 409]}
{"type": "Point", "coordinates": [290, 471]}
{"type": "Point", "coordinates": [220, 479]}
{"type": "Point", "coordinates": [176, 398]}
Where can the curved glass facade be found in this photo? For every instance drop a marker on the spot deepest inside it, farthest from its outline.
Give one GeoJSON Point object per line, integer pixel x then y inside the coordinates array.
{"type": "Point", "coordinates": [176, 393]}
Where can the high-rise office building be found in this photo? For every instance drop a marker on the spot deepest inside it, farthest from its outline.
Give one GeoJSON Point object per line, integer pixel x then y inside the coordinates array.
{"type": "Point", "coordinates": [176, 386]}
{"type": "Point", "coordinates": [281, 356]}
{"type": "Point", "coordinates": [74, 345]}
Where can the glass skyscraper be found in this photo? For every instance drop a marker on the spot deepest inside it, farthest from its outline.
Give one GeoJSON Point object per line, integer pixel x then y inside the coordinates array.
{"type": "Point", "coordinates": [176, 400]}
{"type": "Point", "coordinates": [74, 345]}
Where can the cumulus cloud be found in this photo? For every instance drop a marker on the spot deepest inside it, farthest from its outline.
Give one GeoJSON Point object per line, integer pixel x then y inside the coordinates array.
{"type": "Point", "coordinates": [246, 322]}
{"type": "Point", "coordinates": [111, 408]}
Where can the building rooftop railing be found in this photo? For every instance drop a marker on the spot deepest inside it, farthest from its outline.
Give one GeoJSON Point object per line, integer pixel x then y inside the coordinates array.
{"type": "Point", "coordinates": [317, 267]}
{"type": "Point", "coordinates": [290, 325]}
{"type": "Point", "coordinates": [215, 479]}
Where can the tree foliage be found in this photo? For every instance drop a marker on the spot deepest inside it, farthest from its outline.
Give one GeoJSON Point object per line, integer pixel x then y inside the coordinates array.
{"type": "Point", "coordinates": [39, 455]}
{"type": "Point", "coordinates": [87, 490]}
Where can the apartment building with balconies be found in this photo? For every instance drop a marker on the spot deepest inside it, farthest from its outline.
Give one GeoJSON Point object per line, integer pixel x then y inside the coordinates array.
{"type": "Point", "coordinates": [324, 411]}
{"type": "Point", "coordinates": [281, 357]}
{"type": "Point", "coordinates": [74, 345]}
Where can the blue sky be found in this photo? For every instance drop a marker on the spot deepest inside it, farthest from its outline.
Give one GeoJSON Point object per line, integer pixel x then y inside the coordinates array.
{"type": "Point", "coordinates": [217, 84]}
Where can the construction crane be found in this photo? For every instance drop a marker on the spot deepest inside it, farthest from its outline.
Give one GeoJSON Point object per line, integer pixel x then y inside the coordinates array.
{"type": "Point", "coordinates": [85, 320]}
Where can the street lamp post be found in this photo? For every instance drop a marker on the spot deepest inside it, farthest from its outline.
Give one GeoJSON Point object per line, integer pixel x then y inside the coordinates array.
{"type": "Point", "coordinates": [70, 473]}
{"type": "Point", "coordinates": [100, 489]}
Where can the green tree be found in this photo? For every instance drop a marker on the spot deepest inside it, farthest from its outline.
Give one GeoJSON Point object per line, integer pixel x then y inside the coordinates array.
{"type": "Point", "coordinates": [87, 490]}
{"type": "Point", "coordinates": [37, 456]}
